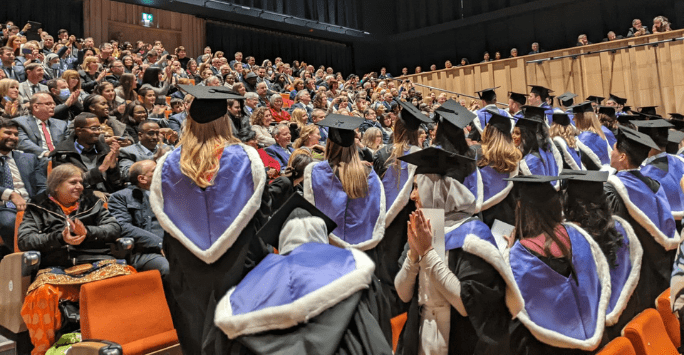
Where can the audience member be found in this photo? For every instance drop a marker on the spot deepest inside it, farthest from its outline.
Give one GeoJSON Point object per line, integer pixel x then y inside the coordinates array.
{"type": "Point", "coordinates": [32, 85]}
{"type": "Point", "coordinates": [39, 133]}
{"type": "Point", "coordinates": [150, 145]}
{"type": "Point", "coordinates": [637, 29]}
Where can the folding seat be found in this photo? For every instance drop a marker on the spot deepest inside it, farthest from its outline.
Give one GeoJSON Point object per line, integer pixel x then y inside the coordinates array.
{"type": "Point", "coordinates": [618, 346]}
{"type": "Point", "coordinates": [671, 322]}
{"type": "Point", "coordinates": [397, 326]}
{"type": "Point", "coordinates": [648, 335]}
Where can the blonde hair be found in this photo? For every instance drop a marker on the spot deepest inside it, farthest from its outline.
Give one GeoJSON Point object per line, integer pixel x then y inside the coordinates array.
{"type": "Point", "coordinates": [304, 135]}
{"type": "Point", "coordinates": [87, 61]}
{"type": "Point", "coordinates": [568, 133]}
{"type": "Point", "coordinates": [199, 143]}
{"type": "Point", "coordinates": [72, 74]}
{"type": "Point", "coordinates": [498, 151]}
{"type": "Point", "coordinates": [588, 123]}
{"type": "Point", "coordinates": [5, 84]}
{"type": "Point", "coordinates": [299, 117]}
{"type": "Point", "coordinates": [370, 136]}
{"type": "Point", "coordinates": [298, 152]}
{"type": "Point", "coordinates": [351, 172]}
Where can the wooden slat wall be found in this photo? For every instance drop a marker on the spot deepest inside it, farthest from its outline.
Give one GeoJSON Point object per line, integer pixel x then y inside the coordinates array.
{"type": "Point", "coordinates": [103, 19]}
{"type": "Point", "coordinates": [646, 76]}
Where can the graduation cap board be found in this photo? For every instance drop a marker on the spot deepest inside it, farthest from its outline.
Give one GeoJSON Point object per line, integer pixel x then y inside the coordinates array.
{"type": "Point", "coordinates": [587, 185]}
{"type": "Point", "coordinates": [502, 123]}
{"type": "Point", "coordinates": [583, 107]}
{"type": "Point", "coordinates": [607, 110]}
{"type": "Point", "coordinates": [627, 119]}
{"type": "Point", "coordinates": [270, 232]}
{"type": "Point", "coordinates": [411, 116]}
{"type": "Point", "coordinates": [678, 123]}
{"type": "Point", "coordinates": [617, 99]}
{"type": "Point", "coordinates": [676, 116]}
{"type": "Point", "coordinates": [487, 94]}
{"type": "Point", "coordinates": [341, 128]}
{"type": "Point", "coordinates": [453, 113]}
{"type": "Point", "coordinates": [540, 90]}
{"type": "Point", "coordinates": [566, 98]}
{"type": "Point", "coordinates": [532, 116]}
{"type": "Point", "coordinates": [533, 188]}
{"type": "Point", "coordinates": [562, 119]}
{"type": "Point", "coordinates": [636, 137]}
{"type": "Point", "coordinates": [209, 103]}
{"type": "Point", "coordinates": [436, 161]}
{"type": "Point", "coordinates": [657, 123]}
{"type": "Point", "coordinates": [595, 99]}
{"type": "Point", "coordinates": [648, 110]}
{"type": "Point", "coordinates": [674, 138]}
{"type": "Point", "coordinates": [657, 129]}
{"type": "Point", "coordinates": [517, 97]}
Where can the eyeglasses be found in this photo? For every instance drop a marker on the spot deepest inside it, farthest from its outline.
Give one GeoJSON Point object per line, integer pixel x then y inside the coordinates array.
{"type": "Point", "coordinates": [46, 103]}
{"type": "Point", "coordinates": [93, 128]}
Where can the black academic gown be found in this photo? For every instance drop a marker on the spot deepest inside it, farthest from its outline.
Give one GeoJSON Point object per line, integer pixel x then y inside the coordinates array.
{"type": "Point", "coordinates": [485, 329]}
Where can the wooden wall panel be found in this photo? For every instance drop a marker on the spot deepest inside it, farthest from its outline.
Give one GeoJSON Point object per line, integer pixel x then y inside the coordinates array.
{"type": "Point", "coordinates": [646, 75]}
{"type": "Point", "coordinates": [106, 19]}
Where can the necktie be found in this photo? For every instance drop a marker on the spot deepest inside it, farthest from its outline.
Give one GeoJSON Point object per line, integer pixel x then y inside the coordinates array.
{"type": "Point", "coordinates": [7, 181]}
{"type": "Point", "coordinates": [48, 140]}
{"type": "Point", "coordinates": [34, 88]}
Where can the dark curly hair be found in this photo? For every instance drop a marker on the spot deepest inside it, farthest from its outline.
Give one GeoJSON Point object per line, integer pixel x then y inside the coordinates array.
{"type": "Point", "coordinates": [595, 218]}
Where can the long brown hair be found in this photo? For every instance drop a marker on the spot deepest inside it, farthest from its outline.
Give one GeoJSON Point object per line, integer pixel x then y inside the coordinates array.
{"type": "Point", "coordinates": [498, 151]}
{"type": "Point", "coordinates": [403, 138]}
{"type": "Point", "coordinates": [568, 133]}
{"type": "Point", "coordinates": [304, 134]}
{"type": "Point", "coordinates": [351, 172]}
{"type": "Point", "coordinates": [199, 143]}
{"type": "Point", "coordinates": [587, 121]}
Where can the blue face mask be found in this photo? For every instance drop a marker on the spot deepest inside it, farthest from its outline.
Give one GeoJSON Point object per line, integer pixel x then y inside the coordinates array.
{"type": "Point", "coordinates": [55, 66]}
{"type": "Point", "coordinates": [64, 94]}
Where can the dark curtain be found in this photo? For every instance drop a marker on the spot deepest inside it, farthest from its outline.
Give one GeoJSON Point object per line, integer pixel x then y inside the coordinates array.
{"type": "Point", "coordinates": [266, 44]}
{"type": "Point", "coordinates": [54, 15]}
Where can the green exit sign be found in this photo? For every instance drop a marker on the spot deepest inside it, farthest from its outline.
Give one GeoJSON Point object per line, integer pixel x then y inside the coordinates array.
{"type": "Point", "coordinates": [147, 19]}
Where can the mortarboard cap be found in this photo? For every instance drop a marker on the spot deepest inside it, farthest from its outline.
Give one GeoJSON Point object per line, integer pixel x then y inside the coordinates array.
{"type": "Point", "coordinates": [487, 94]}
{"type": "Point", "coordinates": [583, 107]}
{"type": "Point", "coordinates": [411, 116]}
{"type": "Point", "coordinates": [626, 119]}
{"type": "Point", "coordinates": [502, 123]}
{"type": "Point", "coordinates": [656, 129]}
{"type": "Point", "coordinates": [561, 118]}
{"type": "Point", "coordinates": [270, 232]}
{"type": "Point", "coordinates": [209, 103]}
{"type": "Point", "coordinates": [517, 97]}
{"type": "Point", "coordinates": [533, 188]}
{"type": "Point", "coordinates": [532, 115]}
{"type": "Point", "coordinates": [648, 110]}
{"type": "Point", "coordinates": [654, 123]}
{"type": "Point", "coordinates": [566, 98]}
{"type": "Point", "coordinates": [678, 123]}
{"type": "Point", "coordinates": [455, 114]}
{"type": "Point", "coordinates": [607, 110]}
{"type": "Point", "coordinates": [617, 99]}
{"type": "Point", "coordinates": [341, 128]}
{"type": "Point", "coordinates": [540, 90]}
{"type": "Point", "coordinates": [595, 99]}
{"type": "Point", "coordinates": [636, 137]}
{"type": "Point", "coordinates": [677, 116]}
{"type": "Point", "coordinates": [587, 185]}
{"type": "Point", "coordinates": [673, 140]}
{"type": "Point", "coordinates": [436, 161]}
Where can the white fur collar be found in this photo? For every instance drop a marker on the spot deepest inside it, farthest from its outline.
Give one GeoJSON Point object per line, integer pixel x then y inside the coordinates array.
{"type": "Point", "coordinates": [404, 194]}
{"type": "Point", "coordinates": [299, 311]}
{"type": "Point", "coordinates": [230, 235]}
{"type": "Point", "coordinates": [590, 154]}
{"type": "Point", "coordinates": [566, 156]}
{"type": "Point", "coordinates": [501, 195]}
{"type": "Point", "coordinates": [525, 170]}
{"type": "Point", "coordinates": [641, 218]}
{"type": "Point", "coordinates": [379, 227]}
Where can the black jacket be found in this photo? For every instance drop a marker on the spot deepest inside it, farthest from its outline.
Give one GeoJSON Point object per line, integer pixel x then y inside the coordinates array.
{"type": "Point", "coordinates": [65, 152]}
{"type": "Point", "coordinates": [132, 210]}
{"type": "Point", "coordinates": [44, 222]}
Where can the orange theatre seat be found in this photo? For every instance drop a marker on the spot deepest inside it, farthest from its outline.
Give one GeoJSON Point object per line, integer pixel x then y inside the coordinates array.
{"type": "Point", "coordinates": [398, 323]}
{"type": "Point", "coordinates": [286, 100]}
{"type": "Point", "coordinates": [618, 346]}
{"type": "Point", "coordinates": [131, 311]}
{"type": "Point", "coordinates": [671, 322]}
{"type": "Point", "coordinates": [648, 335]}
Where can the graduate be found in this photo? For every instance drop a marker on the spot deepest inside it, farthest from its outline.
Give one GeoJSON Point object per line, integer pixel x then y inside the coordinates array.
{"type": "Point", "coordinates": [642, 202]}
{"type": "Point", "coordinates": [209, 195]}
{"type": "Point", "coordinates": [618, 103]}
{"type": "Point", "coordinates": [609, 123]}
{"type": "Point", "coordinates": [488, 97]}
{"type": "Point", "coordinates": [538, 98]}
{"type": "Point", "coordinates": [595, 101]}
{"type": "Point", "coordinates": [540, 155]}
{"type": "Point", "coordinates": [397, 181]}
{"type": "Point", "coordinates": [665, 168]}
{"type": "Point", "coordinates": [591, 140]}
{"type": "Point", "coordinates": [458, 298]}
{"type": "Point", "coordinates": [518, 100]}
{"type": "Point", "coordinates": [566, 101]}
{"type": "Point", "coordinates": [500, 159]}
{"type": "Point", "coordinates": [567, 315]}
{"type": "Point", "coordinates": [585, 205]}
{"type": "Point", "coordinates": [312, 298]}
{"type": "Point", "coordinates": [564, 136]}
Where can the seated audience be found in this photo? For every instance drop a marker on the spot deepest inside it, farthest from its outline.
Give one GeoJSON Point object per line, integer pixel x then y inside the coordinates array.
{"type": "Point", "coordinates": [150, 145]}
{"type": "Point", "coordinates": [282, 149]}
{"type": "Point", "coordinates": [277, 111]}
{"type": "Point", "coordinates": [10, 101]}
{"type": "Point", "coordinates": [637, 29]}
{"type": "Point", "coordinates": [39, 133]}
{"type": "Point", "coordinates": [261, 123]}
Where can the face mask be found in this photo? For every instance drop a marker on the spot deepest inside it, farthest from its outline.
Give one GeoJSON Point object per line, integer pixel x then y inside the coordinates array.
{"type": "Point", "coordinates": [55, 66]}
{"type": "Point", "coordinates": [64, 94]}
{"type": "Point", "coordinates": [270, 72]}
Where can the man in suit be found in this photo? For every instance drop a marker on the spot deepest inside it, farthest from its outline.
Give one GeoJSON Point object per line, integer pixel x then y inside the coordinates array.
{"type": "Point", "coordinates": [32, 85]}
{"type": "Point", "coordinates": [39, 133]}
{"type": "Point", "coordinates": [92, 154]}
{"type": "Point", "coordinates": [22, 176]}
{"type": "Point", "coordinates": [12, 71]}
{"type": "Point", "coordinates": [303, 101]}
{"type": "Point", "coordinates": [282, 150]}
{"type": "Point", "coordinates": [131, 208]}
{"type": "Point", "coordinates": [146, 148]}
